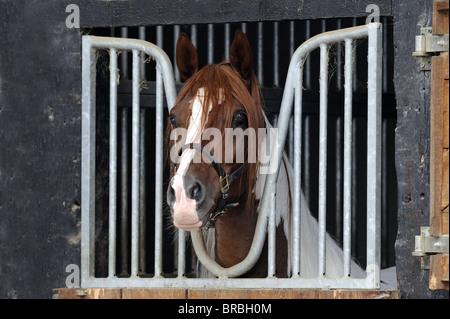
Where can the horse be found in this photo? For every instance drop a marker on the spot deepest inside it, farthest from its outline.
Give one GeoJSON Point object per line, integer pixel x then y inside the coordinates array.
{"type": "Point", "coordinates": [210, 189]}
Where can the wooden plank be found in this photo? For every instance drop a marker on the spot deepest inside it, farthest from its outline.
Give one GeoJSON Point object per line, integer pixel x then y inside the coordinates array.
{"type": "Point", "coordinates": [438, 139]}
{"type": "Point", "coordinates": [439, 272]}
{"type": "Point", "coordinates": [154, 12]}
{"type": "Point", "coordinates": [359, 294]}
{"type": "Point", "coordinates": [440, 17]}
{"type": "Point", "coordinates": [90, 293]}
{"type": "Point", "coordinates": [151, 293]}
{"type": "Point", "coordinates": [154, 293]}
{"type": "Point", "coordinates": [253, 294]}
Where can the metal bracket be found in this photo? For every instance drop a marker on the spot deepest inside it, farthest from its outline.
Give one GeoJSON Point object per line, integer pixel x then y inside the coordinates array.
{"type": "Point", "coordinates": [427, 43]}
{"type": "Point", "coordinates": [426, 245]}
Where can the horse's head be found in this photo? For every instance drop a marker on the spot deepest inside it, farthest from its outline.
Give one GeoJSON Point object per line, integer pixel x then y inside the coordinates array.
{"type": "Point", "coordinates": [212, 135]}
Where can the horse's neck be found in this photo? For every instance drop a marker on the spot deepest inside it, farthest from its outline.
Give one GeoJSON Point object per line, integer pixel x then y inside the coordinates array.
{"type": "Point", "coordinates": [234, 235]}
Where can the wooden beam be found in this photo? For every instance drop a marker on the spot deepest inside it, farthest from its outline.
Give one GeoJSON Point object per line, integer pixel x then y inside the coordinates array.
{"type": "Point", "coordinates": [153, 12]}
{"type": "Point", "coordinates": [148, 293]}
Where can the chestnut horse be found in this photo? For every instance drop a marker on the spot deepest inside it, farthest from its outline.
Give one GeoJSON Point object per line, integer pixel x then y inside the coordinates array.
{"type": "Point", "coordinates": [220, 194]}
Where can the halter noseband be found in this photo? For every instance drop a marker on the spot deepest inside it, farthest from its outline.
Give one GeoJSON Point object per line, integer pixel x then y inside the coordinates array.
{"type": "Point", "coordinates": [225, 180]}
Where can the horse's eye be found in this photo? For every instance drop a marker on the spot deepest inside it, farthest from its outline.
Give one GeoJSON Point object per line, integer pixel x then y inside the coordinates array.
{"type": "Point", "coordinates": [173, 121]}
{"type": "Point", "coordinates": [240, 118]}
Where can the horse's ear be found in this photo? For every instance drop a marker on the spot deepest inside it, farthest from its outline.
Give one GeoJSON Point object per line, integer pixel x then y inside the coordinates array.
{"type": "Point", "coordinates": [186, 57]}
{"type": "Point", "coordinates": [241, 55]}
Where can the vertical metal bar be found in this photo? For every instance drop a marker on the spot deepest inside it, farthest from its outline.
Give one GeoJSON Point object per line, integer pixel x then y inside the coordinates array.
{"type": "Point", "coordinates": [276, 76]}
{"type": "Point", "coordinates": [227, 41]}
{"type": "Point", "coordinates": [355, 63]}
{"type": "Point", "coordinates": [124, 205]}
{"type": "Point", "coordinates": [338, 177]}
{"type": "Point", "coordinates": [260, 53]}
{"type": "Point", "coordinates": [308, 61]}
{"type": "Point", "coordinates": [244, 27]}
{"type": "Point", "coordinates": [385, 58]}
{"type": "Point", "coordinates": [374, 87]}
{"type": "Point", "coordinates": [348, 105]}
{"type": "Point", "coordinates": [194, 35]}
{"type": "Point", "coordinates": [142, 37]}
{"type": "Point", "coordinates": [384, 191]}
{"type": "Point", "coordinates": [339, 60]}
{"type": "Point", "coordinates": [159, 173]}
{"type": "Point", "coordinates": [306, 159]}
{"type": "Point", "coordinates": [181, 253]}
{"type": "Point", "coordinates": [135, 167]}
{"type": "Point", "coordinates": [271, 239]}
{"type": "Point", "coordinates": [176, 33]}
{"type": "Point", "coordinates": [88, 161]}
{"type": "Point", "coordinates": [323, 117]}
{"type": "Point", "coordinates": [296, 199]}
{"type": "Point", "coordinates": [159, 36]}
{"type": "Point", "coordinates": [124, 55]}
{"type": "Point", "coordinates": [210, 43]}
{"type": "Point", "coordinates": [112, 162]}
{"type": "Point", "coordinates": [142, 193]}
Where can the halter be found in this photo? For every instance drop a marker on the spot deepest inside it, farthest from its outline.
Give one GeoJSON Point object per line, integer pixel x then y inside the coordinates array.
{"type": "Point", "coordinates": [225, 180]}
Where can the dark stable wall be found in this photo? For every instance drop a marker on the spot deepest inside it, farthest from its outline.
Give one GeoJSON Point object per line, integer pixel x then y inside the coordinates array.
{"type": "Point", "coordinates": [412, 89]}
{"type": "Point", "coordinates": [40, 147]}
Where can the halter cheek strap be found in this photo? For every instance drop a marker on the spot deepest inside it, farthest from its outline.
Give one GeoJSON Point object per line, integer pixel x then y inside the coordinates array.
{"type": "Point", "coordinates": [225, 180]}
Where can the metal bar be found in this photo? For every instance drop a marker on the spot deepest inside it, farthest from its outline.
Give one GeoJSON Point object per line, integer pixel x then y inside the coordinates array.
{"type": "Point", "coordinates": [124, 55]}
{"type": "Point", "coordinates": [159, 36]}
{"type": "Point", "coordinates": [348, 104]}
{"type": "Point", "coordinates": [135, 167]}
{"type": "Point", "coordinates": [88, 162]}
{"type": "Point", "coordinates": [323, 118]}
{"type": "Point", "coordinates": [227, 41]}
{"type": "Point", "coordinates": [374, 89]}
{"type": "Point", "coordinates": [260, 53]}
{"type": "Point", "coordinates": [229, 283]}
{"type": "Point", "coordinates": [142, 37]}
{"type": "Point", "coordinates": [338, 178]}
{"type": "Point", "coordinates": [271, 239]}
{"type": "Point", "coordinates": [176, 34]}
{"type": "Point", "coordinates": [181, 253]}
{"type": "Point", "coordinates": [194, 35]}
{"type": "Point", "coordinates": [339, 59]}
{"type": "Point", "coordinates": [276, 75]}
{"type": "Point", "coordinates": [244, 27]}
{"type": "Point", "coordinates": [112, 162]}
{"type": "Point", "coordinates": [124, 205]}
{"type": "Point", "coordinates": [308, 61]}
{"type": "Point", "coordinates": [142, 194]}
{"type": "Point", "coordinates": [297, 191]}
{"type": "Point", "coordinates": [159, 172]}
{"type": "Point", "coordinates": [210, 43]}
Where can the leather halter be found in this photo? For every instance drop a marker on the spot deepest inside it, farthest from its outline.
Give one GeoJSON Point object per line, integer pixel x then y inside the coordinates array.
{"type": "Point", "coordinates": [225, 180]}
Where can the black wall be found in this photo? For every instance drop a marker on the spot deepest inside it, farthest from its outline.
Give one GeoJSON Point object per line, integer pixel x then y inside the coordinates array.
{"type": "Point", "coordinates": [40, 147]}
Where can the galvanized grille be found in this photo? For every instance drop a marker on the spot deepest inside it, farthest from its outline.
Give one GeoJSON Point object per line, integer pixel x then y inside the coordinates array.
{"type": "Point", "coordinates": [292, 96]}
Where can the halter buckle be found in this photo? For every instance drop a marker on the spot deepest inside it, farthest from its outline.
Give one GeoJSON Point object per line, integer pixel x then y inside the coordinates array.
{"type": "Point", "coordinates": [224, 188]}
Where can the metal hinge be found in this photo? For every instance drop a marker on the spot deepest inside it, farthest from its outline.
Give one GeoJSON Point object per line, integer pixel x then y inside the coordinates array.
{"type": "Point", "coordinates": [428, 43]}
{"type": "Point", "coordinates": [426, 245]}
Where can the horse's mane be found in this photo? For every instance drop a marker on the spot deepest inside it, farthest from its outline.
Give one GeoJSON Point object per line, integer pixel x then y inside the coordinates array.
{"type": "Point", "coordinates": [222, 86]}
